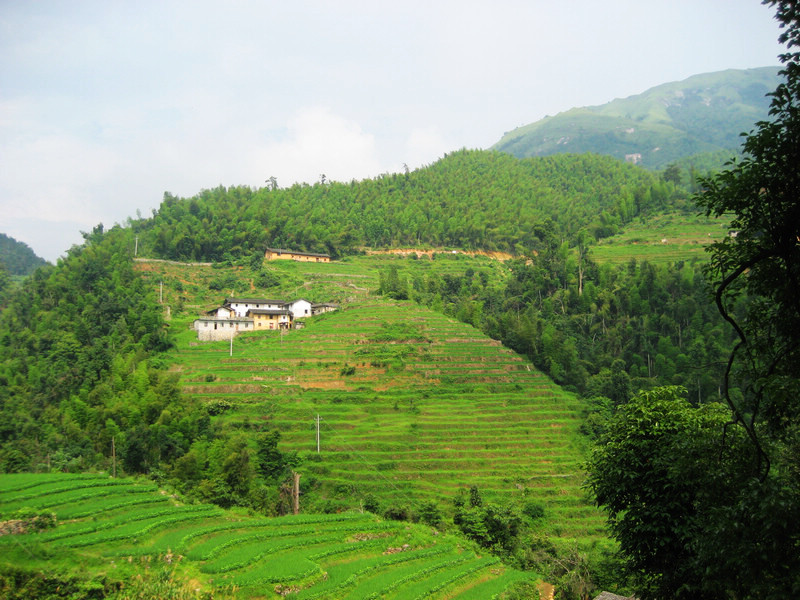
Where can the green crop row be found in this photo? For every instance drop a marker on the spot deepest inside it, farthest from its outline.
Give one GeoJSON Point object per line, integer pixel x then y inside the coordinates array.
{"type": "Point", "coordinates": [448, 578]}
{"type": "Point", "coordinates": [135, 529]}
{"type": "Point", "coordinates": [125, 519]}
{"type": "Point", "coordinates": [289, 522]}
{"type": "Point", "coordinates": [87, 509]}
{"type": "Point", "coordinates": [90, 484]}
{"type": "Point", "coordinates": [247, 554]}
{"type": "Point", "coordinates": [418, 575]}
{"type": "Point", "coordinates": [70, 497]}
{"type": "Point", "coordinates": [349, 577]}
{"type": "Point", "coordinates": [14, 482]}
{"type": "Point", "coordinates": [492, 588]}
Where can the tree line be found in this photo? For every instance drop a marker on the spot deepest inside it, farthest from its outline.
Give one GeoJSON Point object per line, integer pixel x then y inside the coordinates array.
{"type": "Point", "coordinates": [469, 199]}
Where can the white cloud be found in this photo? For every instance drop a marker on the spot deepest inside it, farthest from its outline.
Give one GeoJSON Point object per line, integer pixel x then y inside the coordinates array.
{"type": "Point", "coordinates": [425, 145]}
{"type": "Point", "coordinates": [319, 142]}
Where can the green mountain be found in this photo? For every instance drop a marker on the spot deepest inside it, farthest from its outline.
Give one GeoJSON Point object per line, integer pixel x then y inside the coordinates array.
{"type": "Point", "coordinates": [702, 114]}
{"type": "Point", "coordinates": [474, 199]}
{"type": "Point", "coordinates": [17, 257]}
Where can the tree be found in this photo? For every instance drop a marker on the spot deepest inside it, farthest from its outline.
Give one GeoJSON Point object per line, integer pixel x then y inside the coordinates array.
{"type": "Point", "coordinates": [672, 174]}
{"type": "Point", "coordinates": [687, 514]}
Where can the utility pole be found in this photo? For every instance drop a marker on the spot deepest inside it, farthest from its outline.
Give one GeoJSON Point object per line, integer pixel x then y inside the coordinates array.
{"type": "Point", "coordinates": [231, 353]}
{"type": "Point", "coordinates": [136, 247]}
{"type": "Point", "coordinates": [296, 492]}
{"type": "Point", "coordinates": [161, 292]}
{"type": "Point", "coordinates": [317, 433]}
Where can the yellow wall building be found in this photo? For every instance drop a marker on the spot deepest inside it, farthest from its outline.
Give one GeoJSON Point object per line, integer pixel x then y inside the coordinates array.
{"type": "Point", "coordinates": [278, 254]}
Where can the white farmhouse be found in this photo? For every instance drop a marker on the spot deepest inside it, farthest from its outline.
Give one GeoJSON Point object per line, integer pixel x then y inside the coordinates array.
{"type": "Point", "coordinates": [299, 308]}
{"type": "Point", "coordinates": [242, 305]}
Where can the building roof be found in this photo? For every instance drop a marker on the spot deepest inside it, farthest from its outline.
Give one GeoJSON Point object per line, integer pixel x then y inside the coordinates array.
{"type": "Point", "coordinates": [268, 311]}
{"type": "Point", "coordinates": [214, 310]}
{"type": "Point", "coordinates": [224, 320]}
{"type": "Point", "coordinates": [253, 301]}
{"type": "Point", "coordinates": [320, 304]}
{"type": "Point", "coordinates": [281, 251]}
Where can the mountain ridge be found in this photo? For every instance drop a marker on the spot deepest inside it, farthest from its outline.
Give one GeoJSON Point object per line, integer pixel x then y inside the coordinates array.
{"type": "Point", "coordinates": [701, 114]}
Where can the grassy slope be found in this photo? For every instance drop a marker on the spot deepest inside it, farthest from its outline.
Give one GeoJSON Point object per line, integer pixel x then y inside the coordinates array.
{"type": "Point", "coordinates": [118, 529]}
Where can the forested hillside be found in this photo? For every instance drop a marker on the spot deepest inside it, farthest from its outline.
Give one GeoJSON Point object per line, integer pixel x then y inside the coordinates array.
{"type": "Point", "coordinates": [604, 331]}
{"type": "Point", "coordinates": [78, 343]}
{"type": "Point", "coordinates": [17, 257]}
{"type": "Point", "coordinates": [469, 199]}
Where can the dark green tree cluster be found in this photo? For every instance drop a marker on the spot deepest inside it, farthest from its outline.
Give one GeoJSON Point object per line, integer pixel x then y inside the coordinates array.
{"type": "Point", "coordinates": [236, 469]}
{"type": "Point", "coordinates": [491, 525]}
{"type": "Point", "coordinates": [469, 199]}
{"type": "Point", "coordinates": [77, 342]}
{"type": "Point", "coordinates": [83, 381]}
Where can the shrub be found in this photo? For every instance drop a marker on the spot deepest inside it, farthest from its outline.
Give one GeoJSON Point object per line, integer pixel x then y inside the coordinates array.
{"type": "Point", "coordinates": [397, 513]}
{"type": "Point", "coordinates": [430, 514]}
{"type": "Point", "coordinates": [533, 510]}
{"type": "Point", "coordinates": [371, 504]}
{"type": "Point", "coordinates": [217, 407]}
{"type": "Point", "coordinates": [35, 519]}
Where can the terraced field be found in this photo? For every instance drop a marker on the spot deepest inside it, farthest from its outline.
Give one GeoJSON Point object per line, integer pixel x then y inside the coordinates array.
{"type": "Point", "coordinates": [661, 239]}
{"type": "Point", "coordinates": [413, 405]}
{"type": "Point", "coordinates": [119, 529]}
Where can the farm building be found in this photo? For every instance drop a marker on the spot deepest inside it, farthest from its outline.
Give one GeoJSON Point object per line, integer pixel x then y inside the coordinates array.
{"type": "Point", "coordinates": [300, 308]}
{"type": "Point", "coordinates": [279, 254]}
{"type": "Point", "coordinates": [270, 318]}
{"type": "Point", "coordinates": [225, 311]}
{"type": "Point", "coordinates": [255, 314]}
{"type": "Point", "coordinates": [212, 328]}
{"type": "Point", "coordinates": [324, 307]}
{"type": "Point", "coordinates": [242, 305]}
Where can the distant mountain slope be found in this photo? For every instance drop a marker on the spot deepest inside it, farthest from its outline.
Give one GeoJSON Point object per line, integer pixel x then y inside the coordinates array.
{"type": "Point", "coordinates": [705, 113]}
{"type": "Point", "coordinates": [17, 257]}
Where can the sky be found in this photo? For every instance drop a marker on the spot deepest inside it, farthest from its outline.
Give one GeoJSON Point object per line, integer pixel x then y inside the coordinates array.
{"type": "Point", "coordinates": [105, 105]}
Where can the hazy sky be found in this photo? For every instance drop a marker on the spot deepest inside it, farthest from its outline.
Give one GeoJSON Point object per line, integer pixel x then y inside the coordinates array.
{"type": "Point", "coordinates": [106, 105]}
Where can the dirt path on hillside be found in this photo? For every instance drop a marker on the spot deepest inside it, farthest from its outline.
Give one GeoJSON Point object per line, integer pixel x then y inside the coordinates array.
{"type": "Point", "coordinates": [494, 254]}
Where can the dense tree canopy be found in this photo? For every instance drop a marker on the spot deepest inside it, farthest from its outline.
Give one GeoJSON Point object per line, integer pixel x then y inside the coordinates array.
{"type": "Point", "coordinates": [469, 199]}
